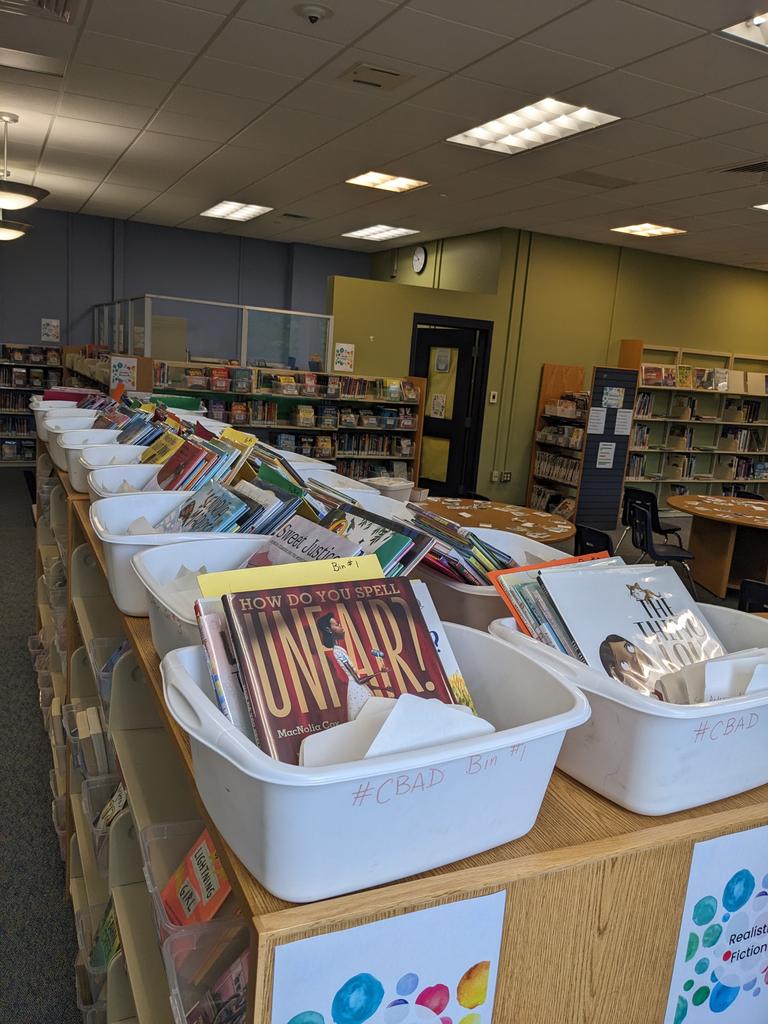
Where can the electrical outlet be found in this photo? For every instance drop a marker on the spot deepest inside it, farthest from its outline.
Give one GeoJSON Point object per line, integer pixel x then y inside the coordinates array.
{"type": "Point", "coordinates": [506, 478]}
{"type": "Point", "coordinates": [493, 397]}
{"type": "Point", "coordinates": [495, 476]}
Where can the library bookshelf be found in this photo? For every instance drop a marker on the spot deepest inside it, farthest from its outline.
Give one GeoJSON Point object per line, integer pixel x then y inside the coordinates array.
{"type": "Point", "coordinates": [586, 879]}
{"type": "Point", "coordinates": [689, 440]}
{"type": "Point", "coordinates": [22, 376]}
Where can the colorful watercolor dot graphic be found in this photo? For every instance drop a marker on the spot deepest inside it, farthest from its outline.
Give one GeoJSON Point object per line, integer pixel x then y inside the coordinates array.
{"type": "Point", "coordinates": [357, 1000]}
{"type": "Point", "coordinates": [435, 998]}
{"type": "Point", "coordinates": [407, 984]}
{"type": "Point", "coordinates": [712, 935]}
{"type": "Point", "coordinates": [471, 1018]}
{"type": "Point", "coordinates": [702, 965]}
{"type": "Point", "coordinates": [396, 1012]}
{"type": "Point", "coordinates": [688, 985]}
{"type": "Point", "coordinates": [472, 990]}
{"type": "Point", "coordinates": [704, 910]}
{"type": "Point", "coordinates": [721, 998]}
{"type": "Point", "coordinates": [307, 1017]}
{"type": "Point", "coordinates": [738, 889]}
{"type": "Point", "coordinates": [681, 1010]}
{"type": "Point", "coordinates": [700, 995]}
{"type": "Point", "coordinates": [693, 946]}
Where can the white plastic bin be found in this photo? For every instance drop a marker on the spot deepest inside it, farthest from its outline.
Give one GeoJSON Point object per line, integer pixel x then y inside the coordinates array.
{"type": "Point", "coordinates": [479, 606]}
{"type": "Point", "coordinates": [172, 616]}
{"type": "Point", "coordinates": [74, 442]}
{"type": "Point", "coordinates": [104, 455]}
{"type": "Point", "coordinates": [111, 517]}
{"type": "Point", "coordinates": [391, 487]}
{"type": "Point", "coordinates": [331, 478]}
{"type": "Point", "coordinates": [55, 427]}
{"type": "Point", "coordinates": [653, 757]}
{"type": "Point", "coordinates": [41, 410]}
{"type": "Point", "coordinates": [391, 816]}
{"type": "Point", "coordinates": [106, 482]}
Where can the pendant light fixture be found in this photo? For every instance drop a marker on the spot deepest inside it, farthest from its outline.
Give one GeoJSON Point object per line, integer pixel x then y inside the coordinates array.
{"type": "Point", "coordinates": [14, 195]}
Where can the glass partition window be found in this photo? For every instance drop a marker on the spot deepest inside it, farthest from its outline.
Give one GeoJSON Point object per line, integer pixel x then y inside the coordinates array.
{"type": "Point", "coordinates": [292, 341]}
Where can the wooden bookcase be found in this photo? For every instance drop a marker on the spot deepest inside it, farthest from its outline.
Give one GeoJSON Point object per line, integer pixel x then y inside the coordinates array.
{"type": "Point", "coordinates": [17, 425]}
{"type": "Point", "coordinates": [604, 884]}
{"type": "Point", "coordinates": [660, 436]}
{"type": "Point", "coordinates": [556, 380]}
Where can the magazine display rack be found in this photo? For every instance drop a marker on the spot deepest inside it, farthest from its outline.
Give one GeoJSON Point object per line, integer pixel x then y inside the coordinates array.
{"type": "Point", "coordinates": [586, 878]}
{"type": "Point", "coordinates": [686, 439]}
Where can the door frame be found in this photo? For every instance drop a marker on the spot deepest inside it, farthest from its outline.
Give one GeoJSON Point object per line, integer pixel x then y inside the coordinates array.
{"type": "Point", "coordinates": [484, 329]}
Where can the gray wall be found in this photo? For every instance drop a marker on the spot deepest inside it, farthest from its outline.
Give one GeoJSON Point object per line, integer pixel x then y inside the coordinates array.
{"type": "Point", "coordinates": [71, 262]}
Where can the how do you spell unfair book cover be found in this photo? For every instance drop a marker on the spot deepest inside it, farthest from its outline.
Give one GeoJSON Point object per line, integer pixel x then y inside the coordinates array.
{"type": "Point", "coordinates": [636, 623]}
{"type": "Point", "coordinates": [311, 656]}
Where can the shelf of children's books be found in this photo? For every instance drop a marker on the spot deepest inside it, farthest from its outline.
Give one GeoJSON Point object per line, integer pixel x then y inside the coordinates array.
{"type": "Point", "coordinates": [21, 387]}
{"type": "Point", "coordinates": [246, 396]}
{"type": "Point", "coordinates": [292, 427]}
{"type": "Point", "coordinates": [37, 366]}
{"type": "Point", "coordinates": [567, 419]}
{"type": "Point", "coordinates": [701, 391]}
{"type": "Point", "coordinates": [697, 451]}
{"type": "Point", "coordinates": [575, 453]}
{"type": "Point", "coordinates": [699, 422]}
{"type": "Point", "coordinates": [694, 480]}
{"type": "Point", "coordinates": [357, 455]}
{"type": "Point", "coordinates": [555, 480]}
{"type": "Point", "coordinates": [143, 960]}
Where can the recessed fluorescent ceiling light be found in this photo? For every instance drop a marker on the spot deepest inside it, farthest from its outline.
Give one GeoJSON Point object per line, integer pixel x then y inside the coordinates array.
{"type": "Point", "coordinates": [754, 30]}
{"type": "Point", "coordinates": [649, 230]}
{"type": "Point", "coordinates": [546, 121]}
{"type": "Point", "coordinates": [379, 233]}
{"type": "Point", "coordinates": [229, 210]}
{"type": "Point", "coordinates": [386, 182]}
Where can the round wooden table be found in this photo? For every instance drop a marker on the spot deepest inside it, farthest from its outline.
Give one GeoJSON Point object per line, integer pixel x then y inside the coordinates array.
{"type": "Point", "coordinates": [729, 539]}
{"type": "Point", "coordinates": [527, 522]}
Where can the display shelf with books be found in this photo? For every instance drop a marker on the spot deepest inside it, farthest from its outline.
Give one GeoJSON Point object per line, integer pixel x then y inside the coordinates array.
{"type": "Point", "coordinates": [559, 439]}
{"type": "Point", "coordinates": [701, 419]}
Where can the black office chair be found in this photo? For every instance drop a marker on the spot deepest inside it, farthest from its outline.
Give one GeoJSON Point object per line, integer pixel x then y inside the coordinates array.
{"type": "Point", "coordinates": [753, 596]}
{"type": "Point", "coordinates": [751, 495]}
{"type": "Point", "coordinates": [588, 541]}
{"type": "Point", "coordinates": [648, 499]}
{"type": "Point", "coordinates": [666, 554]}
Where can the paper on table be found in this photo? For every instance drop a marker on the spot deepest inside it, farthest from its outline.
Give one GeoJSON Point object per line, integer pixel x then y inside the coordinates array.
{"type": "Point", "coordinates": [596, 421]}
{"type": "Point", "coordinates": [623, 421]}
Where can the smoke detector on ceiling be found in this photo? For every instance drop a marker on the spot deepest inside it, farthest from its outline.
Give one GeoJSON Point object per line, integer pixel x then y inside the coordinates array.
{"type": "Point", "coordinates": [313, 12]}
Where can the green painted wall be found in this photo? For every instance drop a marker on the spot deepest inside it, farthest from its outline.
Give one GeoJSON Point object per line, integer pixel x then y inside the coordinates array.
{"type": "Point", "coordinates": [551, 300]}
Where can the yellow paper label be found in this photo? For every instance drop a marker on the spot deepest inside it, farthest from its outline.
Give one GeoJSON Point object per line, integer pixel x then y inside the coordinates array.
{"type": "Point", "coordinates": [295, 574]}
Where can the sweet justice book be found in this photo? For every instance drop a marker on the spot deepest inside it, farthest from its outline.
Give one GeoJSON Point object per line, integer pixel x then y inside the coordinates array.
{"type": "Point", "coordinates": [311, 656]}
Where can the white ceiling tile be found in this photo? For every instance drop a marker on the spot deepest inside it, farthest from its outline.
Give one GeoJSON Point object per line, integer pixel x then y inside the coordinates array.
{"type": "Point", "coordinates": [169, 209]}
{"type": "Point", "coordinates": [509, 19]}
{"type": "Point", "coordinates": [705, 116]}
{"type": "Point", "coordinates": [118, 201]}
{"type": "Point", "coordinates": [329, 202]}
{"type": "Point", "coordinates": [67, 193]}
{"type": "Point", "coordinates": [350, 18]}
{"type": "Point", "coordinates": [23, 98]}
{"type": "Point", "coordinates": [223, 174]}
{"type": "Point", "coordinates": [477, 101]}
{"type": "Point", "coordinates": [623, 94]}
{"type": "Point", "coordinates": [291, 131]}
{"type": "Point", "coordinates": [628, 138]}
{"type": "Point", "coordinates": [749, 94]}
{"type": "Point", "coordinates": [534, 69]}
{"type": "Point", "coordinates": [223, 76]}
{"type": "Point", "coordinates": [156, 22]}
{"type": "Point", "coordinates": [711, 14]}
{"type": "Point", "coordinates": [213, 129]}
{"type": "Point", "coordinates": [74, 164]}
{"type": "Point", "coordinates": [213, 105]}
{"type": "Point", "coordinates": [753, 138]}
{"type": "Point", "coordinates": [22, 158]}
{"type": "Point", "coordinates": [88, 108]}
{"type": "Point", "coordinates": [156, 161]}
{"type": "Point", "coordinates": [31, 129]}
{"type": "Point", "coordinates": [426, 39]}
{"type": "Point", "coordinates": [131, 57]}
{"type": "Point", "coordinates": [89, 137]}
{"type": "Point", "coordinates": [411, 121]}
{"type": "Point", "coordinates": [271, 49]}
{"type": "Point", "coordinates": [355, 105]}
{"type": "Point", "coordinates": [217, 6]}
{"type": "Point", "coordinates": [440, 161]}
{"type": "Point", "coordinates": [704, 154]}
{"type": "Point", "coordinates": [103, 84]}
{"type": "Point", "coordinates": [612, 32]}
{"type": "Point", "coordinates": [705, 64]}
{"type": "Point", "coordinates": [635, 168]}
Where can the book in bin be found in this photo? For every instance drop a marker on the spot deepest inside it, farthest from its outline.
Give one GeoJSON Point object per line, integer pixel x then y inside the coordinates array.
{"type": "Point", "coordinates": [311, 656]}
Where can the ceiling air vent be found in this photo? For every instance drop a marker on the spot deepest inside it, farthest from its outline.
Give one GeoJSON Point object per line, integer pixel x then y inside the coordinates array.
{"type": "Point", "coordinates": [758, 168]}
{"type": "Point", "coordinates": [296, 216]}
{"type": "Point", "coordinates": [56, 10]}
{"type": "Point", "coordinates": [374, 77]}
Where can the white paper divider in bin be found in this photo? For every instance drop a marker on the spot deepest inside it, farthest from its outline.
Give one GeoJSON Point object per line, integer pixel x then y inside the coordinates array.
{"type": "Point", "coordinates": [479, 606]}
{"type": "Point", "coordinates": [313, 833]}
{"type": "Point", "coordinates": [654, 757]}
{"type": "Point", "coordinates": [107, 481]}
{"type": "Point", "coordinates": [73, 442]}
{"type": "Point", "coordinates": [111, 517]}
{"type": "Point", "coordinates": [172, 614]}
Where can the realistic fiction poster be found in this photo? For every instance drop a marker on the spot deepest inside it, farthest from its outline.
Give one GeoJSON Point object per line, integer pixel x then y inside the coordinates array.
{"type": "Point", "coordinates": [721, 966]}
{"type": "Point", "coordinates": [432, 966]}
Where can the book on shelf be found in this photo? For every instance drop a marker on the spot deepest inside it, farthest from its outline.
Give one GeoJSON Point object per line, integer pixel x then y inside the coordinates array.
{"type": "Point", "coordinates": [162, 448]}
{"type": "Point", "coordinates": [106, 943]}
{"type": "Point", "coordinates": [222, 664]}
{"type": "Point", "coordinates": [557, 467]}
{"type": "Point", "coordinates": [757, 383]}
{"type": "Point", "coordinates": [654, 375]}
{"type": "Point", "coordinates": [198, 887]}
{"type": "Point", "coordinates": [737, 382]}
{"type": "Point", "coordinates": [682, 407]}
{"type": "Point", "coordinates": [212, 509]}
{"type": "Point", "coordinates": [310, 657]}
{"type": "Point", "coordinates": [371, 534]}
{"type": "Point", "coordinates": [683, 375]}
{"type": "Point", "coordinates": [226, 1001]}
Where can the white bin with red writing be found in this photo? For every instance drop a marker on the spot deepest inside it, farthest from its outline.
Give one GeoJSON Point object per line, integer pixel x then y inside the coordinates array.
{"type": "Point", "coordinates": [653, 757]}
{"type": "Point", "coordinates": [312, 833]}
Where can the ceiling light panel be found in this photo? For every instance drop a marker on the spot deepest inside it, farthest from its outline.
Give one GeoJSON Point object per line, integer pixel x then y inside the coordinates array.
{"type": "Point", "coordinates": [379, 233]}
{"type": "Point", "coordinates": [649, 230]}
{"type": "Point", "coordinates": [536, 125]}
{"type": "Point", "coordinates": [754, 30]}
{"type": "Point", "coordinates": [386, 182]}
{"type": "Point", "coordinates": [230, 210]}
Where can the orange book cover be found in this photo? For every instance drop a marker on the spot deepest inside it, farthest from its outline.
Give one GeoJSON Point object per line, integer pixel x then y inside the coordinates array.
{"type": "Point", "coordinates": [198, 887]}
{"type": "Point", "coordinates": [495, 578]}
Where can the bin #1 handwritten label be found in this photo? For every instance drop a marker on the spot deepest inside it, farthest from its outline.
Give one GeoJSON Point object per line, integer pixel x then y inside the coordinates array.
{"type": "Point", "coordinates": [412, 783]}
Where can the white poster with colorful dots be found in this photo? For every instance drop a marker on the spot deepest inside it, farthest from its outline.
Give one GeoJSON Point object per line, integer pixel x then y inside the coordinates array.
{"type": "Point", "coordinates": [435, 966]}
{"type": "Point", "coordinates": [721, 967]}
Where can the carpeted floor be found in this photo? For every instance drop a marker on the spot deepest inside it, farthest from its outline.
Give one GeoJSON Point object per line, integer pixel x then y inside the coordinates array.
{"type": "Point", "coordinates": [37, 936]}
